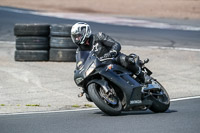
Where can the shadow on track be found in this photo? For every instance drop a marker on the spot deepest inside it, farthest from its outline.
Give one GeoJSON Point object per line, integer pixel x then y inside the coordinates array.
{"type": "Point", "coordinates": [148, 112]}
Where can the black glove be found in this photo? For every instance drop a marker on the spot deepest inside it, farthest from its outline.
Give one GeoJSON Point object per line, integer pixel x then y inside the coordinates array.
{"type": "Point", "coordinates": [107, 55]}
{"type": "Point", "coordinates": [110, 54]}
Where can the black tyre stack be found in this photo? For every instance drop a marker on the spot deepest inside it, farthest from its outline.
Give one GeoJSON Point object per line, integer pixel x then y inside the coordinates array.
{"type": "Point", "coordinates": [62, 49]}
{"type": "Point", "coordinates": [32, 42]}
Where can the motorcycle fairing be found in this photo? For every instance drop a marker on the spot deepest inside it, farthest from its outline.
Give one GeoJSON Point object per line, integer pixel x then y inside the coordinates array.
{"type": "Point", "coordinates": [131, 88]}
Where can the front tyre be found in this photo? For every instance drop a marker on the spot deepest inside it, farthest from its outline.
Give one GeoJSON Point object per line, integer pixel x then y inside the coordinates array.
{"type": "Point", "coordinates": [110, 105]}
{"type": "Point", "coordinates": [161, 100]}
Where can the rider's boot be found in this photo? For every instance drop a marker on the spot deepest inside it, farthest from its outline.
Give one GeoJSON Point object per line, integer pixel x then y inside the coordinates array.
{"type": "Point", "coordinates": [143, 77]}
{"type": "Point", "coordinates": [136, 69]}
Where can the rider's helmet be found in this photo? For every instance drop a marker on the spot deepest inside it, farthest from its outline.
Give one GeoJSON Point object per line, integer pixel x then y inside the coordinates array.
{"type": "Point", "coordinates": [80, 32]}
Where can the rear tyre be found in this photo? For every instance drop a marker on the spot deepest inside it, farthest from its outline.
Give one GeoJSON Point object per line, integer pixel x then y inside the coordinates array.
{"type": "Point", "coordinates": [110, 109]}
{"type": "Point", "coordinates": [160, 103]}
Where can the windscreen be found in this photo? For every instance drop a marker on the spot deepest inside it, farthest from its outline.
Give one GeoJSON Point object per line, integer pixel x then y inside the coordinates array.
{"type": "Point", "coordinates": [81, 57]}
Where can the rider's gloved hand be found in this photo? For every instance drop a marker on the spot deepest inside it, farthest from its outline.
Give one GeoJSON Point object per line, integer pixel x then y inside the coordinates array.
{"type": "Point", "coordinates": [110, 54]}
{"type": "Point", "coordinates": [107, 55]}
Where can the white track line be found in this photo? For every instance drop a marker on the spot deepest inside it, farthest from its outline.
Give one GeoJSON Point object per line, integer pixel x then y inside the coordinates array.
{"type": "Point", "coordinates": [176, 48]}
{"type": "Point", "coordinates": [158, 47]}
{"type": "Point", "coordinates": [7, 9]}
{"type": "Point", "coordinates": [46, 112]}
{"type": "Point", "coordinates": [119, 21]}
{"type": "Point", "coordinates": [76, 110]}
{"type": "Point", "coordinates": [184, 98]}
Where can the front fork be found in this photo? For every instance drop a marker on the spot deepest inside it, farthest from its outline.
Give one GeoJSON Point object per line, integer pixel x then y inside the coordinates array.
{"type": "Point", "coordinates": [103, 83]}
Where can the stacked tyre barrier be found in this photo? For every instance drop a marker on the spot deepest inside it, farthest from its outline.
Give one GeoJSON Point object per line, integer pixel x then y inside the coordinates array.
{"type": "Point", "coordinates": [62, 49]}
{"type": "Point", "coordinates": [32, 42]}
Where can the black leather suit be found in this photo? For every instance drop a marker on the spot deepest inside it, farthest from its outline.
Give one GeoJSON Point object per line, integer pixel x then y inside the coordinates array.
{"type": "Point", "coordinates": [101, 44]}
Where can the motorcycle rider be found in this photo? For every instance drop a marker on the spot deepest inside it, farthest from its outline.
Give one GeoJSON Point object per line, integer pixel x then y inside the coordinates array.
{"type": "Point", "coordinates": [104, 47]}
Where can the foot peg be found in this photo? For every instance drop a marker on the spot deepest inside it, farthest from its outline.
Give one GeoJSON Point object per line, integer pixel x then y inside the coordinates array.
{"type": "Point", "coordinates": [81, 94]}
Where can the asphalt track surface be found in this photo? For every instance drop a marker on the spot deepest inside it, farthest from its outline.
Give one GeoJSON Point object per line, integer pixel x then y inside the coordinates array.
{"type": "Point", "coordinates": [182, 117]}
{"type": "Point", "coordinates": [128, 35]}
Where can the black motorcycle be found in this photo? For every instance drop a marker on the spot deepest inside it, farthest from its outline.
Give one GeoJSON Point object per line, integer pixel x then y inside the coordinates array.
{"type": "Point", "coordinates": [114, 89]}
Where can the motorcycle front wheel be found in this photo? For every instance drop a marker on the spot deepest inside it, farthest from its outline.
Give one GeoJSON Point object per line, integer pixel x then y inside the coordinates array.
{"type": "Point", "coordinates": [110, 105]}
{"type": "Point", "coordinates": [161, 100]}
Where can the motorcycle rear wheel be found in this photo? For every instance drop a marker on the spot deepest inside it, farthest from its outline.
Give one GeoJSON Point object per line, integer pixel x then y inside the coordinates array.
{"type": "Point", "coordinates": [160, 103]}
{"type": "Point", "coordinates": [94, 93]}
